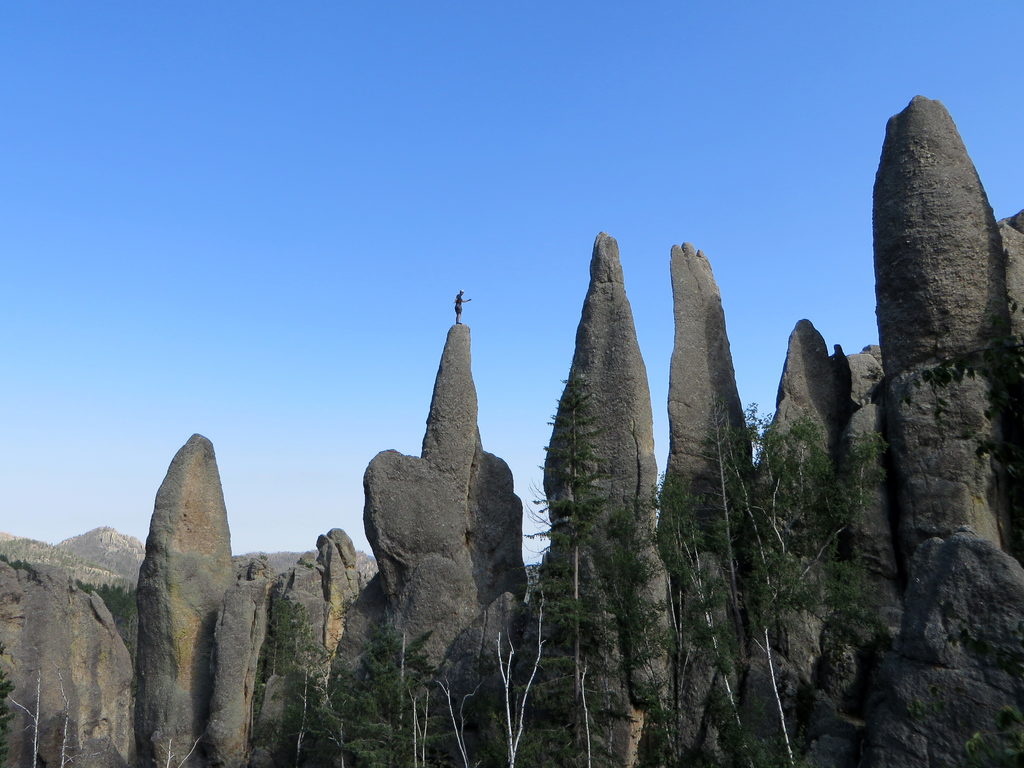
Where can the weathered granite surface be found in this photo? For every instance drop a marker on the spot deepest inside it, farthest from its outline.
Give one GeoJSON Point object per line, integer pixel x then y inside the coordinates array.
{"type": "Point", "coordinates": [238, 638]}
{"type": "Point", "coordinates": [941, 291]}
{"type": "Point", "coordinates": [957, 658]}
{"type": "Point", "coordinates": [182, 582]}
{"type": "Point", "coordinates": [815, 386]}
{"type": "Point", "coordinates": [608, 366]}
{"type": "Point", "coordinates": [61, 642]}
{"type": "Point", "coordinates": [445, 527]}
{"type": "Point", "coordinates": [703, 401]}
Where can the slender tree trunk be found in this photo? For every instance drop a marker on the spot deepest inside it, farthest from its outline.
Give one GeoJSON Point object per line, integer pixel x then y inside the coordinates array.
{"type": "Point", "coordinates": [734, 600]}
{"type": "Point", "coordinates": [778, 699]}
{"type": "Point", "coordinates": [577, 684]}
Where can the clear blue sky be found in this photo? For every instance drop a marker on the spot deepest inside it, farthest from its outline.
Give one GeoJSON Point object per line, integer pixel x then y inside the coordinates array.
{"type": "Point", "coordinates": [248, 219]}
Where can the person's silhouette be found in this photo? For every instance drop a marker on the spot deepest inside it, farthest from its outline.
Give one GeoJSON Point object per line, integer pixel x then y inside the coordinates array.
{"type": "Point", "coordinates": [459, 301]}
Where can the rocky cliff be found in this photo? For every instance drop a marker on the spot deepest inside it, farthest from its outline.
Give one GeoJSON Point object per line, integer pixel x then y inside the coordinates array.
{"type": "Point", "coordinates": [703, 401]}
{"type": "Point", "coordinates": [71, 671]}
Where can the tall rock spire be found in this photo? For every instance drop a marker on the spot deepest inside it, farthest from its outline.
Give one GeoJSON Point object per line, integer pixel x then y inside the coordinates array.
{"type": "Point", "coordinates": [941, 290]}
{"type": "Point", "coordinates": [181, 586]}
{"type": "Point", "coordinates": [939, 265]}
{"type": "Point", "coordinates": [608, 360]}
{"type": "Point", "coordinates": [702, 391]}
{"type": "Point", "coordinates": [451, 438]}
{"type": "Point", "coordinates": [445, 527]}
{"type": "Point", "coordinates": [609, 369]}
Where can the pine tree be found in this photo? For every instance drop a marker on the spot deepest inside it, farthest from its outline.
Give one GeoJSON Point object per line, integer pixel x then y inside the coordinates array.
{"type": "Point", "coordinates": [603, 628]}
{"type": "Point", "coordinates": [574, 626]}
{"type": "Point", "coordinates": [379, 714]}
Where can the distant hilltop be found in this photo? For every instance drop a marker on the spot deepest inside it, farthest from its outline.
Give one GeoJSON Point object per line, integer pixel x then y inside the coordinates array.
{"type": "Point", "coordinates": [104, 555]}
{"type": "Point", "coordinates": [100, 556]}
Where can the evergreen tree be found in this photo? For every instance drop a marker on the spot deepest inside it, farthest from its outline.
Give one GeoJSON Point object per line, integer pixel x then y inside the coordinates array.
{"type": "Point", "coordinates": [379, 714]}
{"type": "Point", "coordinates": [299, 665]}
{"type": "Point", "coordinates": [603, 624]}
{"type": "Point", "coordinates": [576, 626]}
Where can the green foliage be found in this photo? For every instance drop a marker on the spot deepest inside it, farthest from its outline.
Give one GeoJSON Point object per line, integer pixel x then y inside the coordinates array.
{"type": "Point", "coordinates": [795, 504]}
{"type": "Point", "coordinates": [331, 714]}
{"type": "Point", "coordinates": [575, 501]}
{"type": "Point", "coordinates": [627, 573]}
{"type": "Point", "coordinates": [576, 628]}
{"type": "Point", "coordinates": [602, 625]}
{"type": "Point", "coordinates": [6, 689]}
{"type": "Point", "coordinates": [18, 565]}
{"type": "Point", "coordinates": [370, 710]}
{"type": "Point", "coordinates": [297, 665]}
{"type": "Point", "coordinates": [760, 551]}
{"type": "Point", "coordinates": [1001, 747]}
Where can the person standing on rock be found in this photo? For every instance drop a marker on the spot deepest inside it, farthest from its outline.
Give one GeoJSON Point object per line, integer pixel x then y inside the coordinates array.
{"type": "Point", "coordinates": [459, 301]}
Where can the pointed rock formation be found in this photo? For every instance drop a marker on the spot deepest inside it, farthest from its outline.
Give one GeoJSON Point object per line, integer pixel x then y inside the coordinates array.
{"type": "Point", "coordinates": [939, 265]}
{"type": "Point", "coordinates": [608, 360]}
{"type": "Point", "coordinates": [840, 396]}
{"type": "Point", "coordinates": [62, 642]}
{"type": "Point", "coordinates": [704, 412]}
{"type": "Point", "coordinates": [446, 528]}
{"type": "Point", "coordinates": [182, 583]}
{"type": "Point", "coordinates": [608, 365]}
{"type": "Point", "coordinates": [702, 395]}
{"type": "Point", "coordinates": [814, 385]}
{"type": "Point", "coordinates": [325, 588]}
{"type": "Point", "coordinates": [941, 290]}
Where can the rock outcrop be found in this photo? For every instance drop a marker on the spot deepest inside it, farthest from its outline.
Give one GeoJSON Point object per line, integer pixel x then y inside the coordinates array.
{"type": "Point", "coordinates": [325, 587]}
{"type": "Point", "coordinates": [445, 527]}
{"type": "Point", "coordinates": [702, 397]}
{"type": "Point", "coordinates": [704, 414]}
{"type": "Point", "coordinates": [182, 583]}
{"type": "Point", "coordinates": [957, 659]}
{"type": "Point", "coordinates": [1012, 232]}
{"type": "Point", "coordinates": [83, 569]}
{"type": "Point", "coordinates": [870, 536]}
{"type": "Point", "coordinates": [941, 291]}
{"type": "Point", "coordinates": [341, 583]}
{"type": "Point", "coordinates": [609, 370]}
{"type": "Point", "coordinates": [238, 638]}
{"type": "Point", "coordinates": [67, 662]}
{"type": "Point", "coordinates": [815, 386]}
